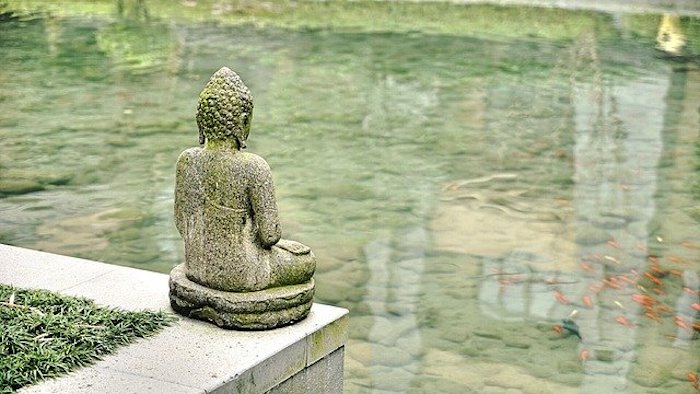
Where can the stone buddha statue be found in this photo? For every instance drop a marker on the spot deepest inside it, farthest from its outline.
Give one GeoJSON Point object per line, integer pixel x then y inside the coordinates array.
{"type": "Point", "coordinates": [238, 272]}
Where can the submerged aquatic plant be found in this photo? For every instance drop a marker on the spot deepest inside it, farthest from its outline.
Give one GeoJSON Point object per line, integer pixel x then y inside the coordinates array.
{"type": "Point", "coordinates": [45, 334]}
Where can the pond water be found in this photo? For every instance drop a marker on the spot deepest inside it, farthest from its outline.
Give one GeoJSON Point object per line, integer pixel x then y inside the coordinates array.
{"type": "Point", "coordinates": [464, 193]}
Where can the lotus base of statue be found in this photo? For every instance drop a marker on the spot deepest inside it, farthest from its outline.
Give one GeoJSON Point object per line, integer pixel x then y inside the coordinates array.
{"type": "Point", "coordinates": [254, 310]}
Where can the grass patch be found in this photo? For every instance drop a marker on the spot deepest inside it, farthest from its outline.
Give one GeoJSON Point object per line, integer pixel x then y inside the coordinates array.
{"type": "Point", "coordinates": [45, 334]}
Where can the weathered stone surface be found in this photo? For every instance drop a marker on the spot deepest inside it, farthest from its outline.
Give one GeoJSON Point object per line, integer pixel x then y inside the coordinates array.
{"type": "Point", "coordinates": [255, 310]}
{"type": "Point", "coordinates": [238, 272]}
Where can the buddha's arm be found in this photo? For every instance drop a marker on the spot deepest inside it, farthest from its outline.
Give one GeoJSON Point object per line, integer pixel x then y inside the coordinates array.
{"type": "Point", "coordinates": [265, 205]}
{"type": "Point", "coordinates": [183, 162]}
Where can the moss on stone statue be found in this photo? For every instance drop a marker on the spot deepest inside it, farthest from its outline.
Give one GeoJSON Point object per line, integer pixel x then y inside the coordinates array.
{"type": "Point", "coordinates": [256, 310]}
{"type": "Point", "coordinates": [246, 277]}
{"type": "Point", "coordinates": [225, 107]}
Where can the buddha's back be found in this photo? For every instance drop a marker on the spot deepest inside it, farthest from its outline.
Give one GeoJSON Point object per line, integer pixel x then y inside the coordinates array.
{"type": "Point", "coordinates": [223, 248]}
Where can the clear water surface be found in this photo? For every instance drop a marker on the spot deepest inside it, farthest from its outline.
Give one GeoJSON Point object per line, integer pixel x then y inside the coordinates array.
{"type": "Point", "coordinates": [464, 193]}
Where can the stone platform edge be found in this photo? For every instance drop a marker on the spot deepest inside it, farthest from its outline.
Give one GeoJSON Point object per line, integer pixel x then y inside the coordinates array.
{"type": "Point", "coordinates": [191, 356]}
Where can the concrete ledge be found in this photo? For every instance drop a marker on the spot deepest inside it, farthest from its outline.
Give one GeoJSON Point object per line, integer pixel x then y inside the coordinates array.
{"type": "Point", "coordinates": [191, 356]}
{"type": "Point", "coordinates": [679, 7]}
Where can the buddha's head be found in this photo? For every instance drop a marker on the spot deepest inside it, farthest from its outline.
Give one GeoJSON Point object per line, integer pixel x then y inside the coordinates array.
{"type": "Point", "coordinates": [225, 108]}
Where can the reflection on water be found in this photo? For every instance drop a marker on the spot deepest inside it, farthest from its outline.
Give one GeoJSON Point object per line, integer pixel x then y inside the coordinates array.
{"type": "Point", "coordinates": [617, 149]}
{"type": "Point", "coordinates": [670, 37]}
{"type": "Point", "coordinates": [463, 195]}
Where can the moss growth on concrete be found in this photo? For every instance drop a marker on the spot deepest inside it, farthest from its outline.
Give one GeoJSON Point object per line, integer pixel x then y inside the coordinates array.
{"type": "Point", "coordinates": [45, 334]}
{"type": "Point", "coordinates": [324, 341]}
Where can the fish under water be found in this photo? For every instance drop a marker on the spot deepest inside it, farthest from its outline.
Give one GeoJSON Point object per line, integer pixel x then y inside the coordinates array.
{"type": "Point", "coordinates": [571, 326]}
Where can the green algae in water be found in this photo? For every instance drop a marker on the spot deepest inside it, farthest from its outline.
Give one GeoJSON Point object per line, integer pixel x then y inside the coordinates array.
{"type": "Point", "coordinates": [374, 127]}
{"type": "Point", "coordinates": [46, 335]}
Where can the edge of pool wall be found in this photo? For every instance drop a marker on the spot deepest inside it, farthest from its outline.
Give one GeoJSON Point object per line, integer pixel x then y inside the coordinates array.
{"type": "Point", "coordinates": [190, 356]}
{"type": "Point", "coordinates": [679, 7]}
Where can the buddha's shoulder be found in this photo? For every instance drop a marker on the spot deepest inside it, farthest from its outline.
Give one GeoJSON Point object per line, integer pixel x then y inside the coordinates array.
{"type": "Point", "coordinates": [252, 160]}
{"type": "Point", "coordinates": [189, 154]}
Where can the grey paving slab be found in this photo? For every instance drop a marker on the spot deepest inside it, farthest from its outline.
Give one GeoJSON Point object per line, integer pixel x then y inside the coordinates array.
{"type": "Point", "coordinates": [92, 380]}
{"type": "Point", "coordinates": [190, 355]}
{"type": "Point", "coordinates": [126, 288]}
{"type": "Point", "coordinates": [30, 268]}
{"type": "Point", "coordinates": [199, 354]}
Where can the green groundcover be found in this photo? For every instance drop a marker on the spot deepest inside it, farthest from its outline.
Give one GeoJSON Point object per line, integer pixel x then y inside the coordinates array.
{"type": "Point", "coordinates": [44, 334]}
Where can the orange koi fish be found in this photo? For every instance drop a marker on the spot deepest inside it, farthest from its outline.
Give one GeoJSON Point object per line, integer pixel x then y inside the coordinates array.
{"type": "Point", "coordinates": [677, 259]}
{"type": "Point", "coordinates": [652, 278]}
{"type": "Point", "coordinates": [612, 242]}
{"type": "Point", "coordinates": [690, 291]}
{"type": "Point", "coordinates": [658, 272]}
{"type": "Point", "coordinates": [560, 297]}
{"type": "Point", "coordinates": [587, 301]}
{"type": "Point", "coordinates": [612, 282]}
{"type": "Point", "coordinates": [664, 308]}
{"type": "Point", "coordinates": [642, 299]}
{"type": "Point", "coordinates": [622, 320]}
{"type": "Point", "coordinates": [689, 245]}
{"type": "Point", "coordinates": [680, 322]}
{"type": "Point", "coordinates": [659, 291]}
{"type": "Point", "coordinates": [693, 379]}
{"type": "Point", "coordinates": [652, 316]}
{"type": "Point", "coordinates": [584, 355]}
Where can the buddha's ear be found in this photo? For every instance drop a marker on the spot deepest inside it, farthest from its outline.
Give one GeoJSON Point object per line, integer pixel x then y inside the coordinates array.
{"type": "Point", "coordinates": [240, 142]}
{"type": "Point", "coordinates": [201, 138]}
{"type": "Point", "coordinates": [246, 120]}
